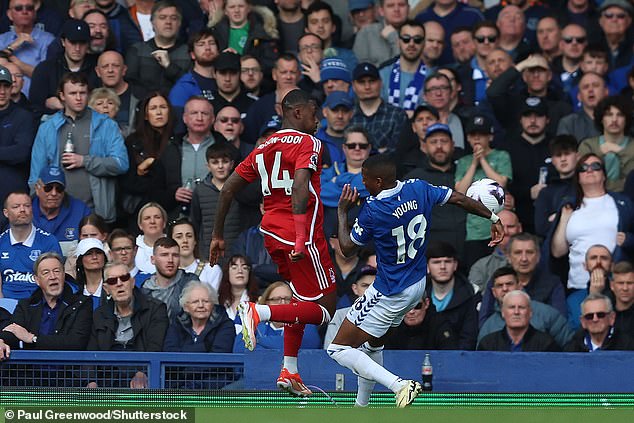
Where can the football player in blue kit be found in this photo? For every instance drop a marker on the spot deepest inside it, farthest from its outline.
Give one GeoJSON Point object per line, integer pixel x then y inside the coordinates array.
{"type": "Point", "coordinates": [396, 218]}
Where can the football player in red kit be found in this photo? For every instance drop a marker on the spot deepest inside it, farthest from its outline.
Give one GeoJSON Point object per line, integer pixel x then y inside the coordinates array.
{"type": "Point", "coordinates": [288, 165]}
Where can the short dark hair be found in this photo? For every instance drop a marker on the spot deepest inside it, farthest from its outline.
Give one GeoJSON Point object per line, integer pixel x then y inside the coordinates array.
{"type": "Point", "coordinates": [524, 236]}
{"type": "Point", "coordinates": [318, 6]}
{"type": "Point", "coordinates": [165, 242]}
{"type": "Point", "coordinates": [622, 267]}
{"type": "Point", "coordinates": [563, 144]}
{"type": "Point", "coordinates": [604, 106]}
{"type": "Point", "coordinates": [503, 271]}
{"type": "Point", "coordinates": [382, 165]}
{"type": "Point", "coordinates": [462, 28]}
{"type": "Point", "coordinates": [311, 34]}
{"type": "Point", "coordinates": [357, 129]}
{"type": "Point", "coordinates": [436, 75]}
{"type": "Point", "coordinates": [437, 249]}
{"type": "Point", "coordinates": [120, 233]}
{"type": "Point", "coordinates": [425, 108]}
{"type": "Point", "coordinates": [164, 4]}
{"type": "Point", "coordinates": [485, 24]}
{"type": "Point", "coordinates": [597, 51]}
{"type": "Point", "coordinates": [15, 192]}
{"type": "Point", "coordinates": [219, 151]}
{"type": "Point", "coordinates": [199, 35]}
{"type": "Point", "coordinates": [294, 98]}
{"type": "Point", "coordinates": [72, 77]}
{"type": "Point", "coordinates": [412, 22]}
{"type": "Point", "coordinates": [288, 57]}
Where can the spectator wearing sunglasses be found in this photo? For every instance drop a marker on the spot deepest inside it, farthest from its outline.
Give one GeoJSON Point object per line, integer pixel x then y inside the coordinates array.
{"type": "Point", "coordinates": [598, 332]}
{"type": "Point", "coordinates": [229, 124]}
{"type": "Point", "coordinates": [594, 216]}
{"type": "Point", "coordinates": [52, 318]}
{"type": "Point", "coordinates": [404, 78]}
{"type": "Point", "coordinates": [566, 67]}
{"type": "Point", "coordinates": [356, 149]}
{"type": "Point", "coordinates": [56, 211]}
{"type": "Point", "coordinates": [615, 20]}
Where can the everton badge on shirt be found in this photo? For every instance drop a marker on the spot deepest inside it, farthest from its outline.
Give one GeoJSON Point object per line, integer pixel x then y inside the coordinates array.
{"type": "Point", "coordinates": [35, 254]}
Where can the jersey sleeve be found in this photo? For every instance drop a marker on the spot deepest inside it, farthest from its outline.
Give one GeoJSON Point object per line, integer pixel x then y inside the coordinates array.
{"type": "Point", "coordinates": [362, 231]}
{"type": "Point", "coordinates": [247, 168]}
{"type": "Point", "coordinates": [436, 194]}
{"type": "Point", "coordinates": [309, 153]}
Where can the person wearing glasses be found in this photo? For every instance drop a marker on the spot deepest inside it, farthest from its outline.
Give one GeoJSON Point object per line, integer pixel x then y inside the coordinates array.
{"type": "Point", "coordinates": [473, 73]}
{"type": "Point", "coordinates": [567, 66]}
{"type": "Point", "coordinates": [403, 79]}
{"type": "Point", "coordinates": [438, 94]}
{"type": "Point", "coordinates": [270, 334]}
{"type": "Point", "coordinates": [56, 211]}
{"type": "Point", "coordinates": [25, 43]}
{"type": "Point", "coordinates": [356, 148]}
{"type": "Point", "coordinates": [595, 216]}
{"type": "Point", "coordinates": [597, 331]}
{"type": "Point", "coordinates": [615, 20]}
{"type": "Point", "coordinates": [123, 251]}
{"type": "Point", "coordinates": [53, 317]}
{"type": "Point", "coordinates": [229, 124]}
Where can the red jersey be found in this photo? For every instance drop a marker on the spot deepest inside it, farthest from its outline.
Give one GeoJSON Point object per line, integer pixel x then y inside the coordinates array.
{"type": "Point", "coordinates": [275, 162]}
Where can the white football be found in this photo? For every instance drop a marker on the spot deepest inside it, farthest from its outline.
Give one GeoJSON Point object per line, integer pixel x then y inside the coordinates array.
{"type": "Point", "coordinates": [489, 193]}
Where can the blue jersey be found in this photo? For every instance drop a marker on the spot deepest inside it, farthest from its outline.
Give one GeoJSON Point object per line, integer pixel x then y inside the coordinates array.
{"type": "Point", "coordinates": [17, 259]}
{"type": "Point", "coordinates": [397, 220]}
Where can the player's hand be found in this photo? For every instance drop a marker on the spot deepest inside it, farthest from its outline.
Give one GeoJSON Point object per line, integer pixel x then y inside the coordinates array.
{"type": "Point", "coordinates": [216, 250]}
{"type": "Point", "coordinates": [497, 233]}
{"type": "Point", "coordinates": [297, 254]}
{"type": "Point", "coordinates": [348, 199]}
{"type": "Point", "coordinates": [5, 350]}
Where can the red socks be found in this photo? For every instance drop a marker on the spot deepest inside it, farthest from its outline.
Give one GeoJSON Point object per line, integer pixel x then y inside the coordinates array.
{"type": "Point", "coordinates": [297, 312]}
{"type": "Point", "coordinates": [293, 335]}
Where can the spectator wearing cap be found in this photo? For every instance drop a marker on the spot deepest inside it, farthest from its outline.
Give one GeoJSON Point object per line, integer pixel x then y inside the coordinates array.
{"type": "Point", "coordinates": [247, 28]}
{"type": "Point", "coordinates": [337, 110]}
{"type": "Point", "coordinates": [203, 50]}
{"type": "Point", "coordinates": [411, 146]}
{"type": "Point", "coordinates": [159, 62]}
{"type": "Point", "coordinates": [504, 93]}
{"type": "Point", "coordinates": [53, 317]}
{"type": "Point", "coordinates": [484, 162]}
{"type": "Point", "coordinates": [615, 20]}
{"type": "Point", "coordinates": [269, 128]}
{"type": "Point", "coordinates": [451, 14]}
{"type": "Point", "coordinates": [16, 94]}
{"type": "Point", "coordinates": [91, 260]}
{"type": "Point", "coordinates": [356, 149]}
{"type": "Point", "coordinates": [452, 295]}
{"type": "Point", "coordinates": [321, 20]}
{"type": "Point", "coordinates": [335, 76]}
{"type": "Point", "coordinates": [123, 27]}
{"type": "Point", "coordinates": [47, 75]}
{"type": "Point", "coordinates": [20, 246]}
{"type": "Point", "coordinates": [528, 149]}
{"type": "Point", "coordinates": [99, 154]}
{"type": "Point", "coordinates": [55, 211]}
{"type": "Point", "coordinates": [383, 121]}
{"type": "Point", "coordinates": [365, 278]}
{"type": "Point", "coordinates": [24, 43]}
{"type": "Point", "coordinates": [403, 80]}
{"type": "Point", "coordinates": [436, 166]}
{"type": "Point", "coordinates": [229, 91]}
{"type": "Point", "coordinates": [566, 67]}
{"type": "Point", "coordinates": [362, 13]}
{"type": "Point", "coordinates": [377, 42]}
{"type": "Point", "coordinates": [16, 139]}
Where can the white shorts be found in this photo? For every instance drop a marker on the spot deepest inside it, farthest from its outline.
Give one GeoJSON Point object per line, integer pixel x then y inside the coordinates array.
{"type": "Point", "coordinates": [374, 313]}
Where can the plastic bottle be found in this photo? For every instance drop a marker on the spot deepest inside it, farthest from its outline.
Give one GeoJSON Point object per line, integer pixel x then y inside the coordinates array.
{"type": "Point", "coordinates": [189, 184]}
{"type": "Point", "coordinates": [428, 373]}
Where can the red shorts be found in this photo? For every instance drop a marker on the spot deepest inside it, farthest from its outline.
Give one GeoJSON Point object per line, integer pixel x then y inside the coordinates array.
{"type": "Point", "coordinates": [310, 278]}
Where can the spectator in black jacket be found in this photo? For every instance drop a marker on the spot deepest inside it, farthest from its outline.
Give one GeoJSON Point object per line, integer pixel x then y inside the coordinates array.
{"type": "Point", "coordinates": [47, 75]}
{"type": "Point", "coordinates": [598, 332]}
{"type": "Point", "coordinates": [622, 286]}
{"type": "Point", "coordinates": [53, 318]}
{"type": "Point", "coordinates": [122, 25]}
{"type": "Point", "coordinates": [518, 335]}
{"type": "Point", "coordinates": [452, 295]}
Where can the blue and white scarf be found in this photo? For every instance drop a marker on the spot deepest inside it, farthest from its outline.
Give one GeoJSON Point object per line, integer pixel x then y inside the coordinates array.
{"type": "Point", "coordinates": [411, 92]}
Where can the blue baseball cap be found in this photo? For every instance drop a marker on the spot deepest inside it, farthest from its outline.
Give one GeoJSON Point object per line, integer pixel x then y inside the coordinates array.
{"type": "Point", "coordinates": [333, 68]}
{"type": "Point", "coordinates": [52, 174]}
{"type": "Point", "coordinates": [359, 4]}
{"type": "Point", "coordinates": [437, 127]}
{"type": "Point", "coordinates": [338, 98]}
{"type": "Point", "coordinates": [274, 125]}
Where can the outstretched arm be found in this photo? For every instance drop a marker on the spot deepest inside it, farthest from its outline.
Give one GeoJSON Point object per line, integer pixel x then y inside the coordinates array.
{"type": "Point", "coordinates": [477, 208]}
{"type": "Point", "coordinates": [234, 183]}
{"type": "Point", "coordinates": [348, 199]}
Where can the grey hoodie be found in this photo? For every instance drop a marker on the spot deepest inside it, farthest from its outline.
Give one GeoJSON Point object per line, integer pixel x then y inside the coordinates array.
{"type": "Point", "coordinates": [171, 293]}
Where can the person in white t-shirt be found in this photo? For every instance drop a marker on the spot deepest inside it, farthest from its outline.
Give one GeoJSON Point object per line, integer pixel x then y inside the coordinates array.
{"type": "Point", "coordinates": [151, 219]}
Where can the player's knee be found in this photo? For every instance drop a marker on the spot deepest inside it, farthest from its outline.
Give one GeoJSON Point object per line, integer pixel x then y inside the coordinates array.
{"type": "Point", "coordinates": [335, 351]}
{"type": "Point", "coordinates": [325, 315]}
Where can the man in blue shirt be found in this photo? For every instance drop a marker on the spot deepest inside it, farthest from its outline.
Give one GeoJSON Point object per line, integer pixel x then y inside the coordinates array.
{"type": "Point", "coordinates": [20, 246]}
{"type": "Point", "coordinates": [395, 218]}
{"type": "Point", "coordinates": [55, 211]}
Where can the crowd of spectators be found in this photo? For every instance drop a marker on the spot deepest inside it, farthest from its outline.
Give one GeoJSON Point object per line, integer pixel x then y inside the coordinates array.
{"type": "Point", "coordinates": [121, 121]}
